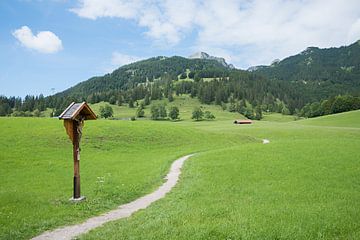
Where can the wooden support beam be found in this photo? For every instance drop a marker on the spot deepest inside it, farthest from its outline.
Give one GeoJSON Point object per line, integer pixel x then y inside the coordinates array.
{"type": "Point", "coordinates": [76, 155]}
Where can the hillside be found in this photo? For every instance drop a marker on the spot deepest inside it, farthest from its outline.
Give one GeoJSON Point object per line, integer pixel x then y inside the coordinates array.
{"type": "Point", "coordinates": [321, 73]}
{"type": "Point", "coordinates": [209, 79]}
{"type": "Point", "coordinates": [287, 85]}
{"type": "Point", "coordinates": [129, 76]}
{"type": "Point", "coordinates": [346, 119]}
{"type": "Point", "coordinates": [296, 85]}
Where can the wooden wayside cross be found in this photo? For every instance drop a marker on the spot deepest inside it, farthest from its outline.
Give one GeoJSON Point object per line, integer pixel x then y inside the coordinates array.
{"type": "Point", "coordinates": [74, 116]}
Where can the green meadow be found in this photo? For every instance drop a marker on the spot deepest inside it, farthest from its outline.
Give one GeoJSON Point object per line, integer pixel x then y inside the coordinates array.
{"type": "Point", "coordinates": [304, 184]}
{"type": "Point", "coordinates": [186, 105]}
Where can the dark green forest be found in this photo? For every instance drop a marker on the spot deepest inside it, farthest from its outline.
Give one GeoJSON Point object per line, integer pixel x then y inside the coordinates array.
{"type": "Point", "coordinates": [322, 72]}
{"type": "Point", "coordinates": [313, 83]}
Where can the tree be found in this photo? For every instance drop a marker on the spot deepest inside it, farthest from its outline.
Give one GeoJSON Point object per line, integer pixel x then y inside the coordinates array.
{"type": "Point", "coordinates": [170, 97]}
{"type": "Point", "coordinates": [131, 103]}
{"type": "Point", "coordinates": [147, 100]}
{"type": "Point", "coordinates": [339, 105]}
{"type": "Point", "coordinates": [208, 115]}
{"type": "Point", "coordinates": [174, 113]}
{"type": "Point", "coordinates": [119, 100]}
{"type": "Point", "coordinates": [154, 112]}
{"type": "Point", "coordinates": [5, 108]}
{"type": "Point", "coordinates": [106, 112]}
{"type": "Point", "coordinates": [285, 110]}
{"type": "Point", "coordinates": [258, 112]}
{"type": "Point", "coordinates": [249, 113]}
{"type": "Point", "coordinates": [197, 114]}
{"type": "Point", "coordinates": [191, 74]}
{"type": "Point", "coordinates": [232, 107]}
{"type": "Point", "coordinates": [140, 111]}
{"type": "Point", "coordinates": [183, 76]}
{"type": "Point", "coordinates": [112, 100]}
{"type": "Point", "coordinates": [37, 113]}
{"type": "Point", "coordinates": [162, 111]}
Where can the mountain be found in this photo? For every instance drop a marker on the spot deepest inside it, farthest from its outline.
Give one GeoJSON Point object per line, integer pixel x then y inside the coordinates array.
{"type": "Point", "coordinates": [331, 70]}
{"type": "Point", "coordinates": [312, 78]}
{"type": "Point", "coordinates": [312, 75]}
{"type": "Point", "coordinates": [149, 70]}
{"type": "Point", "coordinates": [204, 55]}
{"type": "Point", "coordinates": [206, 78]}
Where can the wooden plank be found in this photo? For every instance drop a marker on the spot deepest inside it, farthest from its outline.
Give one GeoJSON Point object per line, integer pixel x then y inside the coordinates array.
{"type": "Point", "coordinates": [76, 152]}
{"type": "Point", "coordinates": [68, 124]}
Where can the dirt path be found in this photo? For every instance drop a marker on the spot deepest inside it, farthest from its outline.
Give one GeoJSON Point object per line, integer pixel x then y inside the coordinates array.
{"type": "Point", "coordinates": [122, 211]}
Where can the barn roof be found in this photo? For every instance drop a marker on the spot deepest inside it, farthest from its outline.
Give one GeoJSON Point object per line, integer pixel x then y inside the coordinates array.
{"type": "Point", "coordinates": [243, 120]}
{"type": "Point", "coordinates": [76, 109]}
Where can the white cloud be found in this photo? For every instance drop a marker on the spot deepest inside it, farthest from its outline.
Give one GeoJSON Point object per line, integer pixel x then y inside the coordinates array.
{"type": "Point", "coordinates": [354, 32]}
{"type": "Point", "coordinates": [166, 21]}
{"type": "Point", "coordinates": [250, 32]}
{"type": "Point", "coordinates": [120, 59]}
{"type": "Point", "coordinates": [94, 9]}
{"type": "Point", "coordinates": [44, 42]}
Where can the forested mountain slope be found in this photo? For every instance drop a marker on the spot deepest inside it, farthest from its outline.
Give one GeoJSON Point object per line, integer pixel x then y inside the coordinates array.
{"type": "Point", "coordinates": [297, 84]}
{"type": "Point", "coordinates": [322, 72]}
{"type": "Point", "coordinates": [129, 76]}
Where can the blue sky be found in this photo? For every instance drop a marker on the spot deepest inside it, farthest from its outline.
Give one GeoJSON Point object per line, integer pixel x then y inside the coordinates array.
{"type": "Point", "coordinates": [55, 44]}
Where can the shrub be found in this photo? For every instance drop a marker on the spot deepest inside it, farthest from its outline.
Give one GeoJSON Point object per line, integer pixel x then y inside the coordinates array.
{"type": "Point", "coordinates": [197, 114]}
{"type": "Point", "coordinates": [174, 113]}
{"type": "Point", "coordinates": [154, 112]}
{"type": "Point", "coordinates": [140, 110]}
{"type": "Point", "coordinates": [208, 115]}
{"type": "Point", "coordinates": [106, 112]}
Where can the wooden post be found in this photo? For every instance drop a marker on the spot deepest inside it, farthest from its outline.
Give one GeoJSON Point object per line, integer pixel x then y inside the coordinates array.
{"type": "Point", "coordinates": [74, 116]}
{"type": "Point", "coordinates": [76, 154]}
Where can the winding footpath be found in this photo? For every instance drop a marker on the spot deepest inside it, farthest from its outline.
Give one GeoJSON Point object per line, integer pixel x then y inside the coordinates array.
{"type": "Point", "coordinates": [122, 211]}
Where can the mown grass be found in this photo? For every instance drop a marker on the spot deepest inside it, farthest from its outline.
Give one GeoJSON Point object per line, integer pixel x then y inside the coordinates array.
{"type": "Point", "coordinates": [277, 117]}
{"type": "Point", "coordinates": [303, 185]}
{"type": "Point", "coordinates": [346, 119]}
{"type": "Point", "coordinates": [120, 161]}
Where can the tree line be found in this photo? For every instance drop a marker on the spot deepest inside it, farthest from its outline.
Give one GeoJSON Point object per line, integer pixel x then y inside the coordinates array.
{"type": "Point", "coordinates": [249, 93]}
{"type": "Point", "coordinates": [337, 104]}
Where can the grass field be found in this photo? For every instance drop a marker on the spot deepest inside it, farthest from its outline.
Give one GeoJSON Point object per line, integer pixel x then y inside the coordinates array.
{"type": "Point", "coordinates": [303, 185]}
{"type": "Point", "coordinates": [120, 161]}
{"type": "Point", "coordinates": [185, 103]}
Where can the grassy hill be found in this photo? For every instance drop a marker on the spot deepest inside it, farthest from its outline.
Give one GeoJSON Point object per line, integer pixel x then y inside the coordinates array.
{"type": "Point", "coordinates": [302, 185]}
{"type": "Point", "coordinates": [346, 119]}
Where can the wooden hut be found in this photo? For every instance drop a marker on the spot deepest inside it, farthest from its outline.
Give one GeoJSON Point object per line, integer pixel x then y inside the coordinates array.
{"type": "Point", "coordinates": [243, 121]}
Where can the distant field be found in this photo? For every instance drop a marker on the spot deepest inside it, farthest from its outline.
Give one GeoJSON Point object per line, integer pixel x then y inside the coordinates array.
{"type": "Point", "coordinates": [277, 117]}
{"type": "Point", "coordinates": [303, 185]}
{"type": "Point", "coordinates": [185, 104]}
{"type": "Point", "coordinates": [346, 119]}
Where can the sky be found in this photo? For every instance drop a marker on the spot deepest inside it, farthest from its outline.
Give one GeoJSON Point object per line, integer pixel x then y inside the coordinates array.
{"type": "Point", "coordinates": [47, 46]}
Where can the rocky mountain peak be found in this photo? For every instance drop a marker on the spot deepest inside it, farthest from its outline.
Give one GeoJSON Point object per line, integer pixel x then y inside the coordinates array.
{"type": "Point", "coordinates": [204, 55]}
